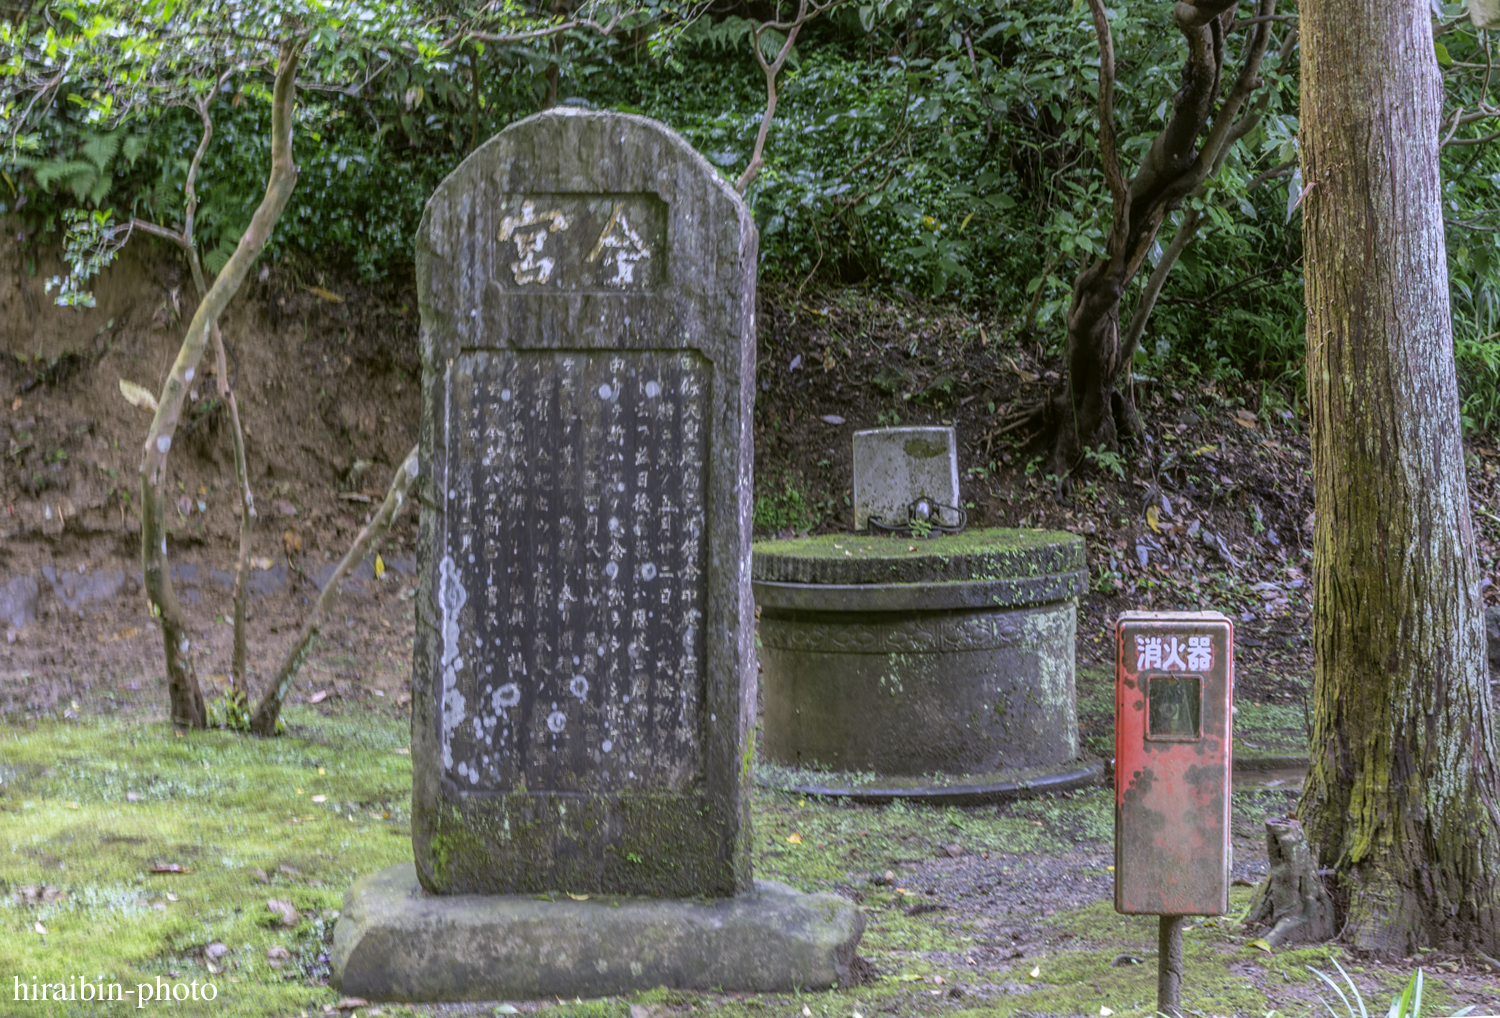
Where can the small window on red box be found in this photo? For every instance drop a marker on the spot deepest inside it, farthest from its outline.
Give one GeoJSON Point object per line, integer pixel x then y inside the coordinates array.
{"type": "Point", "coordinates": [1174, 705]}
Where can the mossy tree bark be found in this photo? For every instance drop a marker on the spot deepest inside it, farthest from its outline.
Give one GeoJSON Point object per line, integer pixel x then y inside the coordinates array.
{"type": "Point", "coordinates": [1402, 794]}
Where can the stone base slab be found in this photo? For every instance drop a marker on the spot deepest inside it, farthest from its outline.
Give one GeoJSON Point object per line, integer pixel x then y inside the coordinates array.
{"type": "Point", "coordinates": [954, 790]}
{"type": "Point", "coordinates": [396, 942]}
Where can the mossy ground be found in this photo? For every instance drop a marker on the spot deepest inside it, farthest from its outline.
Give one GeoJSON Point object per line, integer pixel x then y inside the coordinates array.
{"type": "Point", "coordinates": [91, 805]}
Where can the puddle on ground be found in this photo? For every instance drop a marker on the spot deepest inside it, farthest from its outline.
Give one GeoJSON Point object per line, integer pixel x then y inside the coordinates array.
{"type": "Point", "coordinates": [1289, 778]}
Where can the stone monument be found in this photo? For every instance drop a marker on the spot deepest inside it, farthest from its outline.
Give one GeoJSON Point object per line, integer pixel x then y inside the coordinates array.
{"type": "Point", "coordinates": [895, 466]}
{"type": "Point", "coordinates": [925, 665]}
{"type": "Point", "coordinates": [584, 675]}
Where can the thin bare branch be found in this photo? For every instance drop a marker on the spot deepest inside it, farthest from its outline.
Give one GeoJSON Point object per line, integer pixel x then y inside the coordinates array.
{"type": "Point", "coordinates": [1289, 19]}
{"type": "Point", "coordinates": [1470, 141]}
{"type": "Point", "coordinates": [165, 233]}
{"type": "Point", "coordinates": [806, 11]}
{"type": "Point", "coordinates": [1244, 86]}
{"type": "Point", "coordinates": [1109, 157]}
{"type": "Point", "coordinates": [269, 709]}
{"type": "Point", "coordinates": [1186, 231]}
{"type": "Point", "coordinates": [607, 28]}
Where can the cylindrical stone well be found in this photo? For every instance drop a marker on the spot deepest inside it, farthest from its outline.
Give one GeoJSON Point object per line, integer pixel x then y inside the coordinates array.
{"type": "Point", "coordinates": [938, 669]}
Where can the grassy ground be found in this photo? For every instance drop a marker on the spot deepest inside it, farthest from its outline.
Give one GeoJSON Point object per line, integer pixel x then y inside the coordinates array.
{"type": "Point", "coordinates": [1017, 922]}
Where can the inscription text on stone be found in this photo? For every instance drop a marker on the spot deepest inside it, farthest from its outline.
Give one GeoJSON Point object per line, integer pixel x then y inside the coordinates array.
{"type": "Point", "coordinates": [572, 585]}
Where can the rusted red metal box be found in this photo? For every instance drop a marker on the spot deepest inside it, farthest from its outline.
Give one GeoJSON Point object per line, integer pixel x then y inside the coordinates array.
{"type": "Point", "coordinates": [1174, 693]}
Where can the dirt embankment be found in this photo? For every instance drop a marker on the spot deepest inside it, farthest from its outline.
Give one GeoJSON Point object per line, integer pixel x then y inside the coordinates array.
{"type": "Point", "coordinates": [1211, 510]}
{"type": "Point", "coordinates": [327, 379]}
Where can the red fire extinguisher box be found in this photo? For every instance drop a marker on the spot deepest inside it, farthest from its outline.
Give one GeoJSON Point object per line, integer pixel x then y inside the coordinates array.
{"type": "Point", "coordinates": [1174, 692]}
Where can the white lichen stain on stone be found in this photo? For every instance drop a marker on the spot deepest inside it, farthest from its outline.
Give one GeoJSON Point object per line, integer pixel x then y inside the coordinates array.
{"type": "Point", "coordinates": [1040, 630]}
{"type": "Point", "coordinates": [451, 598]}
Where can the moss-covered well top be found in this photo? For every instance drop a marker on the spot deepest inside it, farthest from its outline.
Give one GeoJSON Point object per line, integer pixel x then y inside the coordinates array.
{"type": "Point", "coordinates": [991, 554]}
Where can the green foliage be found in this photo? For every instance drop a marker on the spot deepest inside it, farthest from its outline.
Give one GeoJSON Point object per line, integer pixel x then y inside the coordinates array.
{"type": "Point", "coordinates": [944, 148]}
{"type": "Point", "coordinates": [1407, 1004]}
{"type": "Point", "coordinates": [391, 99]}
{"type": "Point", "coordinates": [90, 242]}
{"type": "Point", "coordinates": [1106, 459]}
{"type": "Point", "coordinates": [787, 509]}
{"type": "Point", "coordinates": [232, 712]}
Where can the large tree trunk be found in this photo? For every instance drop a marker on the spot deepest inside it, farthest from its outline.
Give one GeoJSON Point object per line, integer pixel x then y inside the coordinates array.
{"type": "Point", "coordinates": [1402, 795]}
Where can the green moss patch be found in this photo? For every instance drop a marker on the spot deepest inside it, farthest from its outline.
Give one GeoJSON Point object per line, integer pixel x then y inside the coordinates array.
{"type": "Point", "coordinates": [989, 554]}
{"type": "Point", "coordinates": [92, 808]}
{"type": "Point", "coordinates": [103, 811]}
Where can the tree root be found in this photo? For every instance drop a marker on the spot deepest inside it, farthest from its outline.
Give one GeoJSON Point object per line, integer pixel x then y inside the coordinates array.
{"type": "Point", "coordinates": [1292, 899]}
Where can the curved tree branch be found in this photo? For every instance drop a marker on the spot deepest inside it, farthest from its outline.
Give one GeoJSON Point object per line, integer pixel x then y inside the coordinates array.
{"type": "Point", "coordinates": [185, 695]}
{"type": "Point", "coordinates": [1109, 157]}
{"type": "Point", "coordinates": [806, 11]}
{"type": "Point", "coordinates": [269, 709]}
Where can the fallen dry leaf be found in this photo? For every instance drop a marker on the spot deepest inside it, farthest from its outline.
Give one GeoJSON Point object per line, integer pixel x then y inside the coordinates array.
{"type": "Point", "coordinates": [40, 928]}
{"type": "Point", "coordinates": [289, 915]}
{"type": "Point", "coordinates": [1153, 518]}
{"type": "Point", "coordinates": [350, 1003]}
{"type": "Point", "coordinates": [168, 867]}
{"type": "Point", "coordinates": [276, 955]}
{"type": "Point", "coordinates": [135, 395]}
{"type": "Point", "coordinates": [263, 563]}
{"type": "Point", "coordinates": [578, 897]}
{"type": "Point", "coordinates": [15, 404]}
{"type": "Point", "coordinates": [320, 798]}
{"type": "Point", "coordinates": [322, 294]}
{"type": "Point", "coordinates": [34, 895]}
{"type": "Point", "coordinates": [794, 838]}
{"type": "Point", "coordinates": [318, 697]}
{"type": "Point", "coordinates": [1245, 419]}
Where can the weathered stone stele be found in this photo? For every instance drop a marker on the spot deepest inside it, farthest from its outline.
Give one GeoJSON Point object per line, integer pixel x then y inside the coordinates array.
{"type": "Point", "coordinates": [583, 679]}
{"type": "Point", "coordinates": [895, 466]}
